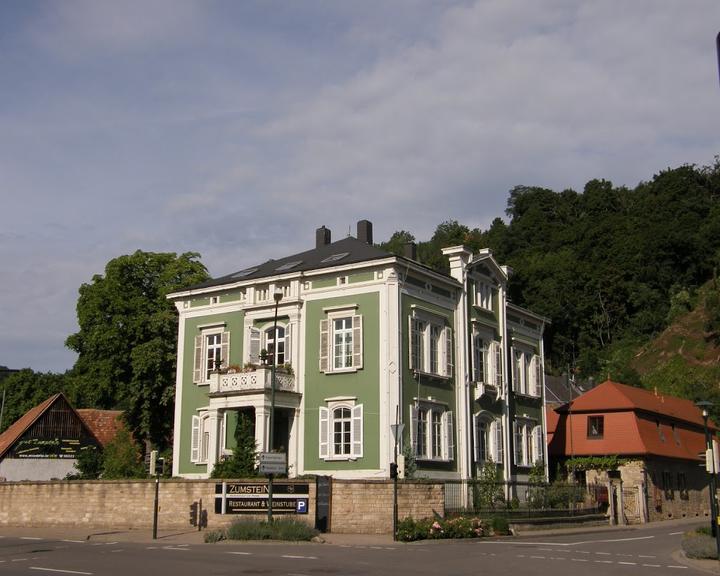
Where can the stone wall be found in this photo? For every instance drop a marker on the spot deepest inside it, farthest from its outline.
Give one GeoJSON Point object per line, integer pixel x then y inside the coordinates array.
{"type": "Point", "coordinates": [356, 506]}
{"type": "Point", "coordinates": [366, 506]}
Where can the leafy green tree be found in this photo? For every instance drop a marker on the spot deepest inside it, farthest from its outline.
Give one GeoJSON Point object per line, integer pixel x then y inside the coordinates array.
{"type": "Point", "coordinates": [488, 489]}
{"type": "Point", "coordinates": [89, 464]}
{"type": "Point", "coordinates": [127, 340]}
{"type": "Point", "coordinates": [26, 389]}
{"type": "Point", "coordinates": [241, 464]}
{"type": "Point", "coordinates": [122, 458]}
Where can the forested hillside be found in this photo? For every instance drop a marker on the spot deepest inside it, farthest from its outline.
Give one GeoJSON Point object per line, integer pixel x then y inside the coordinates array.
{"type": "Point", "coordinates": [612, 267]}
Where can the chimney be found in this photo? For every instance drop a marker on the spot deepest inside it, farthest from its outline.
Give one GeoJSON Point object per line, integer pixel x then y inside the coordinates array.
{"type": "Point", "coordinates": [364, 231]}
{"type": "Point", "coordinates": [322, 237]}
{"type": "Point", "coordinates": [410, 250]}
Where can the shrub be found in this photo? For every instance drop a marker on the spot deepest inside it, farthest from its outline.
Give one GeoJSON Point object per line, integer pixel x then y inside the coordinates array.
{"type": "Point", "coordinates": [283, 529]}
{"type": "Point", "coordinates": [214, 536]}
{"type": "Point", "coordinates": [500, 525]}
{"type": "Point", "coordinates": [410, 530]}
{"type": "Point", "coordinates": [700, 546]}
{"type": "Point", "coordinates": [122, 458]}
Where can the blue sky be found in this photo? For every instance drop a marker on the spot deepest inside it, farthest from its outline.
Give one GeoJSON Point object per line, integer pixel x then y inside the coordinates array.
{"type": "Point", "coordinates": [235, 129]}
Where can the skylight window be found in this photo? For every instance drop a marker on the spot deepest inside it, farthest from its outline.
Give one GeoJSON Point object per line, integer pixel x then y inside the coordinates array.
{"type": "Point", "coordinates": [244, 273]}
{"type": "Point", "coordinates": [335, 257]}
{"type": "Point", "coordinates": [288, 265]}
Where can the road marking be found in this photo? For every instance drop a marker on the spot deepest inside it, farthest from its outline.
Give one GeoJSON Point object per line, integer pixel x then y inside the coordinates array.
{"type": "Point", "coordinates": [74, 541]}
{"type": "Point", "coordinates": [56, 570]}
{"type": "Point", "coordinates": [644, 556]}
{"type": "Point", "coordinates": [628, 563]}
{"type": "Point", "coordinates": [176, 548]}
{"type": "Point", "coordinates": [579, 560]}
{"type": "Point", "coordinates": [299, 557]}
{"type": "Point", "coordinates": [117, 550]}
{"type": "Point", "coordinates": [241, 553]}
{"type": "Point", "coordinates": [604, 553]}
{"type": "Point", "coordinates": [110, 543]}
{"type": "Point", "coordinates": [568, 543]}
{"type": "Point", "coordinates": [538, 557]}
{"type": "Point", "coordinates": [675, 533]}
{"type": "Point", "coordinates": [679, 567]}
{"type": "Point", "coordinates": [652, 565]}
{"type": "Point", "coordinates": [29, 538]}
{"type": "Point", "coordinates": [19, 560]}
{"type": "Point", "coordinates": [603, 561]}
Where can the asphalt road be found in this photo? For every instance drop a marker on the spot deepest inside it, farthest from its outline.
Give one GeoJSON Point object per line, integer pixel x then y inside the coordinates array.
{"type": "Point", "coordinates": [652, 551]}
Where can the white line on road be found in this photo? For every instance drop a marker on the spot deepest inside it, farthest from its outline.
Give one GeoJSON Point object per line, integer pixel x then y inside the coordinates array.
{"type": "Point", "coordinates": [604, 553]}
{"type": "Point", "coordinates": [19, 560]}
{"type": "Point", "coordinates": [680, 567]}
{"type": "Point", "coordinates": [568, 543]}
{"type": "Point", "coordinates": [74, 541]}
{"type": "Point", "coordinates": [645, 556]}
{"type": "Point", "coordinates": [56, 570]}
{"type": "Point", "coordinates": [29, 538]}
{"type": "Point", "coordinates": [603, 561]}
{"type": "Point", "coordinates": [675, 533]}
{"type": "Point", "coordinates": [628, 563]}
{"type": "Point", "coordinates": [176, 548]}
{"type": "Point", "coordinates": [579, 560]}
{"type": "Point", "coordinates": [117, 550]}
{"type": "Point", "coordinates": [299, 557]}
{"type": "Point", "coordinates": [241, 553]}
{"type": "Point", "coordinates": [652, 565]}
{"type": "Point", "coordinates": [538, 557]}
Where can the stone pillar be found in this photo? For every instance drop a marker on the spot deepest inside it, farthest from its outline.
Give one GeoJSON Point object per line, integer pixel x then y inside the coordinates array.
{"type": "Point", "coordinates": [214, 440]}
{"type": "Point", "coordinates": [621, 505]}
{"type": "Point", "coordinates": [262, 428]}
{"type": "Point", "coordinates": [611, 502]}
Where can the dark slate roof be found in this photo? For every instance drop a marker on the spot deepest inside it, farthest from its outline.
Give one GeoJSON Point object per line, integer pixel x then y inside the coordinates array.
{"type": "Point", "coordinates": [557, 391]}
{"type": "Point", "coordinates": [355, 251]}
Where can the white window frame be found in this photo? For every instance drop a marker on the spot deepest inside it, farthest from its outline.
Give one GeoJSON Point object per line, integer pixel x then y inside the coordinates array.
{"type": "Point", "coordinates": [327, 342]}
{"type": "Point", "coordinates": [200, 438]}
{"type": "Point", "coordinates": [326, 421]}
{"type": "Point", "coordinates": [484, 293]}
{"type": "Point", "coordinates": [430, 345]}
{"type": "Point", "coordinates": [531, 449]}
{"type": "Point", "coordinates": [445, 451]}
{"type": "Point", "coordinates": [494, 438]}
{"type": "Point", "coordinates": [526, 372]}
{"type": "Point", "coordinates": [201, 370]}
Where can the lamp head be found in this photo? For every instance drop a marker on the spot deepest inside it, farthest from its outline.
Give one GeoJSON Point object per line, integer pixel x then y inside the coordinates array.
{"type": "Point", "coordinates": [277, 295]}
{"type": "Point", "coordinates": [704, 405]}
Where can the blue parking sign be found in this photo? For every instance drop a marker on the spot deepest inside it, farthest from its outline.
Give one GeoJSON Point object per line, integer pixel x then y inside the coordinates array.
{"type": "Point", "coordinates": [302, 506]}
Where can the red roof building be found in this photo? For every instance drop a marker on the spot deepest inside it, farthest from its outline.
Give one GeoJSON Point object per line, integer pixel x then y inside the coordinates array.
{"type": "Point", "coordinates": [661, 437]}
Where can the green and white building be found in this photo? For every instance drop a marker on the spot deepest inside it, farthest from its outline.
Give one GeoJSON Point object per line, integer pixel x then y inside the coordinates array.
{"type": "Point", "coordinates": [365, 339]}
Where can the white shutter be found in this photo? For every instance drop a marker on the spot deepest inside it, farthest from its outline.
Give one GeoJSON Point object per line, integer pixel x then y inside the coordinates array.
{"type": "Point", "coordinates": [356, 431]}
{"type": "Point", "coordinates": [498, 456]}
{"type": "Point", "coordinates": [449, 437]}
{"type": "Point", "coordinates": [498, 365]}
{"type": "Point", "coordinates": [538, 452]}
{"type": "Point", "coordinates": [413, 428]}
{"type": "Point", "coordinates": [412, 361]}
{"type": "Point", "coordinates": [224, 350]}
{"type": "Point", "coordinates": [518, 444]}
{"type": "Point", "coordinates": [195, 440]}
{"type": "Point", "coordinates": [514, 371]}
{"type": "Point", "coordinates": [476, 425]}
{"type": "Point", "coordinates": [357, 343]}
{"type": "Point", "coordinates": [448, 352]}
{"type": "Point", "coordinates": [324, 345]}
{"type": "Point", "coordinates": [288, 341]}
{"type": "Point", "coordinates": [324, 424]}
{"type": "Point", "coordinates": [197, 364]}
{"type": "Point", "coordinates": [254, 356]}
{"type": "Point", "coordinates": [538, 371]}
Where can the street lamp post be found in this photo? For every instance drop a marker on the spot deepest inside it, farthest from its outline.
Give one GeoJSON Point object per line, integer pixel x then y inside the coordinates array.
{"type": "Point", "coordinates": [704, 405]}
{"type": "Point", "coordinates": [277, 296]}
{"type": "Point", "coordinates": [397, 430]}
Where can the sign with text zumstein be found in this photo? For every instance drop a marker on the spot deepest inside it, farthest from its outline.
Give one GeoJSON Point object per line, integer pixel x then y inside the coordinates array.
{"type": "Point", "coordinates": [252, 498]}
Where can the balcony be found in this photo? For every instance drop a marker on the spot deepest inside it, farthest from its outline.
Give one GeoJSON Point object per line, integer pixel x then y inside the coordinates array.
{"type": "Point", "coordinates": [485, 389]}
{"type": "Point", "coordinates": [257, 380]}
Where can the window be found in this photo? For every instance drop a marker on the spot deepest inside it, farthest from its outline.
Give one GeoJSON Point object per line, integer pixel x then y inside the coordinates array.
{"type": "Point", "coordinates": [668, 485]}
{"type": "Point", "coordinates": [270, 343]}
{"type": "Point", "coordinates": [526, 372]}
{"type": "Point", "coordinates": [529, 445]}
{"type": "Point", "coordinates": [212, 349]}
{"type": "Point", "coordinates": [483, 295]}
{"type": "Point", "coordinates": [431, 432]}
{"type": "Point", "coordinates": [431, 346]}
{"type": "Point", "coordinates": [595, 427]}
{"type": "Point", "coordinates": [479, 359]}
{"type": "Point", "coordinates": [265, 340]}
{"type": "Point", "coordinates": [200, 438]}
{"type": "Point", "coordinates": [488, 438]}
{"type": "Point", "coordinates": [341, 343]}
{"type": "Point", "coordinates": [682, 486]}
{"type": "Point", "coordinates": [341, 430]}
{"type": "Point", "coordinates": [487, 361]}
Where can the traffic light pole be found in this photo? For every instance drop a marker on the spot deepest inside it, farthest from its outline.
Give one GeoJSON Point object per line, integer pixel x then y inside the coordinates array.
{"type": "Point", "coordinates": [155, 506]}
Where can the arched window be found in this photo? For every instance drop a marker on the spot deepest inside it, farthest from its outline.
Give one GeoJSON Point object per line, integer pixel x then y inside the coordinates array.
{"type": "Point", "coordinates": [270, 340]}
{"type": "Point", "coordinates": [342, 426]}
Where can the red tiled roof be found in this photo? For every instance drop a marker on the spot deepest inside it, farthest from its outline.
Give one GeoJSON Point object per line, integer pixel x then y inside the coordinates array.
{"type": "Point", "coordinates": [636, 422]}
{"type": "Point", "coordinates": [104, 424]}
{"type": "Point", "coordinates": [611, 395]}
{"type": "Point", "coordinates": [18, 428]}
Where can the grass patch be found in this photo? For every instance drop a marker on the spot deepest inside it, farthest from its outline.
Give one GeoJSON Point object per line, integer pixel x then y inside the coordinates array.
{"type": "Point", "coordinates": [699, 544]}
{"type": "Point", "coordinates": [282, 529]}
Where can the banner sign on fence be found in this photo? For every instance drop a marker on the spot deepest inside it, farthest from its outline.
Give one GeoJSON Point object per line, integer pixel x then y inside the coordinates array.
{"type": "Point", "coordinates": [252, 498]}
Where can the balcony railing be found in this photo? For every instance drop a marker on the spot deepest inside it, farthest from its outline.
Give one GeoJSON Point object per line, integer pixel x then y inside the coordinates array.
{"type": "Point", "coordinates": [256, 381]}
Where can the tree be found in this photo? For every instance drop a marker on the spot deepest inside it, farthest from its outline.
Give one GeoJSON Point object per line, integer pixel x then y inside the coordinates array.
{"type": "Point", "coordinates": [121, 458]}
{"type": "Point", "coordinates": [242, 462]}
{"type": "Point", "coordinates": [127, 340]}
{"type": "Point", "coordinates": [26, 389]}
